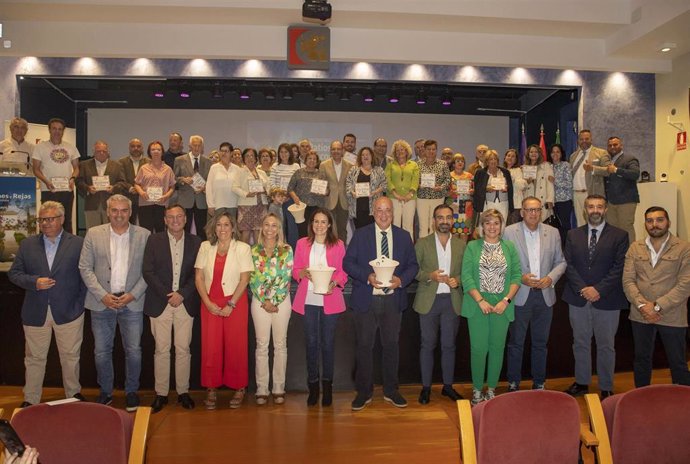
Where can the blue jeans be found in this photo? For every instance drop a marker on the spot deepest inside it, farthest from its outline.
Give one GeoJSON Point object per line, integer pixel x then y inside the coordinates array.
{"type": "Point", "coordinates": [315, 321]}
{"type": "Point", "coordinates": [536, 315]}
{"type": "Point", "coordinates": [103, 325]}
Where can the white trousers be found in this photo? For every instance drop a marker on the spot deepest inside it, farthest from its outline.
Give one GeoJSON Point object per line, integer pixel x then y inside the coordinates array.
{"type": "Point", "coordinates": [266, 324]}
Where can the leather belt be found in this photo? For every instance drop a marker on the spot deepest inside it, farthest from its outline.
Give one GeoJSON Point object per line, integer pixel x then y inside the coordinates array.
{"type": "Point", "coordinates": [581, 191]}
{"type": "Point", "coordinates": [118, 294]}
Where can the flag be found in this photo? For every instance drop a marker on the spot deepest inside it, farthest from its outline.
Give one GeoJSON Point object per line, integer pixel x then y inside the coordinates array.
{"type": "Point", "coordinates": [542, 143]}
{"type": "Point", "coordinates": [523, 147]}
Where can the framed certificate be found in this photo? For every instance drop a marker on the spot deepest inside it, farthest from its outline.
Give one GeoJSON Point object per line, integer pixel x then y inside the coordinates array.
{"type": "Point", "coordinates": [462, 186]}
{"type": "Point", "coordinates": [255, 186]}
{"type": "Point", "coordinates": [283, 183]}
{"type": "Point", "coordinates": [61, 184]}
{"type": "Point", "coordinates": [362, 189]}
{"type": "Point", "coordinates": [198, 182]}
{"type": "Point", "coordinates": [529, 172]}
{"type": "Point", "coordinates": [101, 183]}
{"type": "Point", "coordinates": [428, 180]}
{"type": "Point", "coordinates": [498, 183]}
{"type": "Point", "coordinates": [319, 186]}
{"type": "Point", "coordinates": [350, 157]}
{"type": "Point", "coordinates": [154, 193]}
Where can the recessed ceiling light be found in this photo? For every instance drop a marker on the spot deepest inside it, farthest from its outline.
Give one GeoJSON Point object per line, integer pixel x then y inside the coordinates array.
{"type": "Point", "coordinates": [667, 47]}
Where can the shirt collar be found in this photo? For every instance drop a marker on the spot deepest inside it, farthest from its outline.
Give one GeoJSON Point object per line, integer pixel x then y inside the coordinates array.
{"type": "Point", "coordinates": [379, 230]}
{"type": "Point", "coordinates": [648, 241]}
{"type": "Point", "coordinates": [57, 239]}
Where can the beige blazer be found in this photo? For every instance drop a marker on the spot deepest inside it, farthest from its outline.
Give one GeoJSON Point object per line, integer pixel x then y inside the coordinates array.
{"type": "Point", "coordinates": [336, 188]}
{"type": "Point", "coordinates": [599, 158]}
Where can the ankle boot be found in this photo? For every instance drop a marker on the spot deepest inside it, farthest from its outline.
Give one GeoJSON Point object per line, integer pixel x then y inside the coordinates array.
{"type": "Point", "coordinates": [327, 397]}
{"type": "Point", "coordinates": [313, 393]}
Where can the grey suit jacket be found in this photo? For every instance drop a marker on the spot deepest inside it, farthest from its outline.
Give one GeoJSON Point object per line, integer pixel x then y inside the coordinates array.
{"type": "Point", "coordinates": [599, 158]}
{"type": "Point", "coordinates": [94, 266]}
{"type": "Point", "coordinates": [87, 169]}
{"type": "Point", "coordinates": [336, 187]}
{"type": "Point", "coordinates": [551, 263]}
{"type": "Point", "coordinates": [186, 196]}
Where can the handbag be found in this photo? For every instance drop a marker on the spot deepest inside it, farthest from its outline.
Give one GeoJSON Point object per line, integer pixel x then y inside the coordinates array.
{"type": "Point", "coordinates": [553, 221]}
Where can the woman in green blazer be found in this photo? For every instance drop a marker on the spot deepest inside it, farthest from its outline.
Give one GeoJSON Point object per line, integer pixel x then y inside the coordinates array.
{"type": "Point", "coordinates": [491, 276]}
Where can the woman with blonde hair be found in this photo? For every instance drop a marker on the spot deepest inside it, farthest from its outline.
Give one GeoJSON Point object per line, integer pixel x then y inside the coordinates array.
{"type": "Point", "coordinates": [491, 276]}
{"type": "Point", "coordinates": [271, 308]}
{"type": "Point", "coordinates": [402, 179]}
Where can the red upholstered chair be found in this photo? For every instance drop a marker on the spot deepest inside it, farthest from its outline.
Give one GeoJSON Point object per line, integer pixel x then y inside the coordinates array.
{"type": "Point", "coordinates": [531, 426]}
{"type": "Point", "coordinates": [83, 432]}
{"type": "Point", "coordinates": [649, 425]}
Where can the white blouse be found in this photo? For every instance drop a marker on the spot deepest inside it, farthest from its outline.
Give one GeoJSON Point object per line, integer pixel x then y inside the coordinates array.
{"type": "Point", "coordinates": [219, 192]}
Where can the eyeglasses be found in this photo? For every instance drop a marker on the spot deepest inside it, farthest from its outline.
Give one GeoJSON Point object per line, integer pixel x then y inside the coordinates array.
{"type": "Point", "coordinates": [532, 210]}
{"type": "Point", "coordinates": [49, 219]}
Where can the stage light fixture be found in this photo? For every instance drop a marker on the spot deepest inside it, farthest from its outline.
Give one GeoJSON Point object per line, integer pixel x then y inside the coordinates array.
{"type": "Point", "coordinates": [344, 95]}
{"type": "Point", "coordinates": [185, 91]}
{"type": "Point", "coordinates": [447, 100]}
{"type": "Point", "coordinates": [319, 95]}
{"type": "Point", "coordinates": [421, 98]}
{"type": "Point", "coordinates": [217, 89]}
{"type": "Point", "coordinates": [393, 97]}
{"type": "Point", "coordinates": [368, 97]}
{"type": "Point", "coordinates": [287, 94]}
{"type": "Point", "coordinates": [270, 94]}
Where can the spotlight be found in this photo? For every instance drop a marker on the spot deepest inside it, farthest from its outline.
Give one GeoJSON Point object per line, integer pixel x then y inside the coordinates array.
{"type": "Point", "coordinates": [344, 95]}
{"type": "Point", "coordinates": [447, 100]}
{"type": "Point", "coordinates": [319, 95]}
{"type": "Point", "coordinates": [185, 92]}
{"type": "Point", "coordinates": [287, 94]}
{"type": "Point", "coordinates": [667, 47]}
{"type": "Point", "coordinates": [159, 93]}
{"type": "Point", "coordinates": [393, 98]}
{"type": "Point", "coordinates": [270, 94]}
{"type": "Point", "coordinates": [244, 93]}
{"type": "Point", "coordinates": [217, 89]}
{"type": "Point", "coordinates": [421, 98]}
{"type": "Point", "coordinates": [368, 97]}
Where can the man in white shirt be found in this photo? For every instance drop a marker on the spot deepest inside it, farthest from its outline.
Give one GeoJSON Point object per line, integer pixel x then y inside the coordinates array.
{"type": "Point", "coordinates": [56, 165]}
{"type": "Point", "coordinates": [542, 262]}
{"type": "Point", "coordinates": [438, 300]}
{"type": "Point", "coordinates": [304, 149]}
{"type": "Point", "coordinates": [588, 164]}
{"type": "Point", "coordinates": [15, 148]}
{"type": "Point", "coordinates": [111, 267]}
{"type": "Point", "coordinates": [350, 143]}
{"type": "Point", "coordinates": [191, 172]}
{"type": "Point", "coordinates": [336, 169]}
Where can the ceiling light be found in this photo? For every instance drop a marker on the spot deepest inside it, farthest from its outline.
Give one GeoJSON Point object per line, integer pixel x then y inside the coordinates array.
{"type": "Point", "coordinates": [184, 90]}
{"type": "Point", "coordinates": [421, 98]}
{"type": "Point", "coordinates": [344, 95]}
{"type": "Point", "coordinates": [270, 94]}
{"type": "Point", "coordinates": [393, 98]}
{"type": "Point", "coordinates": [159, 93]}
{"type": "Point", "coordinates": [287, 94]}
{"type": "Point", "coordinates": [667, 47]}
{"type": "Point", "coordinates": [447, 100]}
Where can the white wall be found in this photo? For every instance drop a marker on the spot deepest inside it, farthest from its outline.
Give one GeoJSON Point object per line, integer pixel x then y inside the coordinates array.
{"type": "Point", "coordinates": [672, 92]}
{"type": "Point", "coordinates": [269, 128]}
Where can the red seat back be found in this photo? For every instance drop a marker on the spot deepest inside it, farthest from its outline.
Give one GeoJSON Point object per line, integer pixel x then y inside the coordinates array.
{"type": "Point", "coordinates": [649, 425]}
{"type": "Point", "coordinates": [76, 432]}
{"type": "Point", "coordinates": [532, 426]}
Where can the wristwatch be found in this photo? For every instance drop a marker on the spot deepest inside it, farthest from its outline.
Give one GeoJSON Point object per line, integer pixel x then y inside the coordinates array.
{"type": "Point", "coordinates": [657, 308]}
{"type": "Point", "coordinates": [507, 300]}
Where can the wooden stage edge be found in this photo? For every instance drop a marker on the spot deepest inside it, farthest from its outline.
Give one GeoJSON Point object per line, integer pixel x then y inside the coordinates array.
{"type": "Point", "coordinates": [295, 433]}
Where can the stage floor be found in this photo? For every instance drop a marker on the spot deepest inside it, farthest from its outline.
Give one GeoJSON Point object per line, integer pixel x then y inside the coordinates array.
{"type": "Point", "coordinates": [294, 433]}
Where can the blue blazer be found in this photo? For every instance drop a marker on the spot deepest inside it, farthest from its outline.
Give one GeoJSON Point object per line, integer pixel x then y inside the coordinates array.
{"type": "Point", "coordinates": [605, 272]}
{"type": "Point", "coordinates": [362, 249]}
{"type": "Point", "coordinates": [66, 297]}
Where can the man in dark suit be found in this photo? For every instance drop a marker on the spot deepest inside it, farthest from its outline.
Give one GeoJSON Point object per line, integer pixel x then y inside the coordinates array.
{"type": "Point", "coordinates": [171, 302]}
{"type": "Point", "coordinates": [379, 305]}
{"type": "Point", "coordinates": [130, 166]}
{"type": "Point", "coordinates": [439, 299]}
{"type": "Point", "coordinates": [595, 254]}
{"type": "Point", "coordinates": [95, 196]}
{"type": "Point", "coordinates": [189, 195]}
{"type": "Point", "coordinates": [621, 187]}
{"type": "Point", "coordinates": [47, 267]}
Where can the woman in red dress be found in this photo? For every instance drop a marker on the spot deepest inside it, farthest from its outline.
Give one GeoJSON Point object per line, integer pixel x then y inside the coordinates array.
{"type": "Point", "coordinates": [223, 267]}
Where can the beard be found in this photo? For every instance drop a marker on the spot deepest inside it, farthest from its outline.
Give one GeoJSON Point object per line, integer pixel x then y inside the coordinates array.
{"type": "Point", "coordinates": [595, 218]}
{"type": "Point", "coordinates": [656, 232]}
{"type": "Point", "coordinates": [444, 228]}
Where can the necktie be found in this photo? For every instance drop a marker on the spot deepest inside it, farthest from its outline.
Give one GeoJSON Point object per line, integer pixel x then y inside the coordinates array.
{"type": "Point", "coordinates": [384, 244]}
{"type": "Point", "coordinates": [196, 164]}
{"type": "Point", "coordinates": [592, 244]}
{"type": "Point", "coordinates": [385, 252]}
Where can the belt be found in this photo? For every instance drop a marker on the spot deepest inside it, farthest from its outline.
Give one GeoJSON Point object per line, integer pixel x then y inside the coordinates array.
{"type": "Point", "coordinates": [581, 191]}
{"type": "Point", "coordinates": [118, 294]}
{"type": "Point", "coordinates": [535, 289]}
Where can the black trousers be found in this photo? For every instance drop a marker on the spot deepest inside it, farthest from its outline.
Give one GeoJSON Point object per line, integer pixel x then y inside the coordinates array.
{"type": "Point", "coordinates": [199, 216]}
{"type": "Point", "coordinates": [65, 199]}
{"type": "Point", "coordinates": [673, 338]}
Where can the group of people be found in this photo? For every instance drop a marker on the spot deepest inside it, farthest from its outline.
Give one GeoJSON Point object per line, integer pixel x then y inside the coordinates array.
{"type": "Point", "coordinates": [502, 282]}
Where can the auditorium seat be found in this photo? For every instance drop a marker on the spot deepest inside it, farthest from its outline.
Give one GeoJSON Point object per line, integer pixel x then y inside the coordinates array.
{"type": "Point", "coordinates": [83, 432]}
{"type": "Point", "coordinates": [648, 424]}
{"type": "Point", "coordinates": [534, 426]}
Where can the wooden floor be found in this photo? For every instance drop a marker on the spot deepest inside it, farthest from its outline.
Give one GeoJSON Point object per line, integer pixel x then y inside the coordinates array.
{"type": "Point", "coordinates": [293, 433]}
